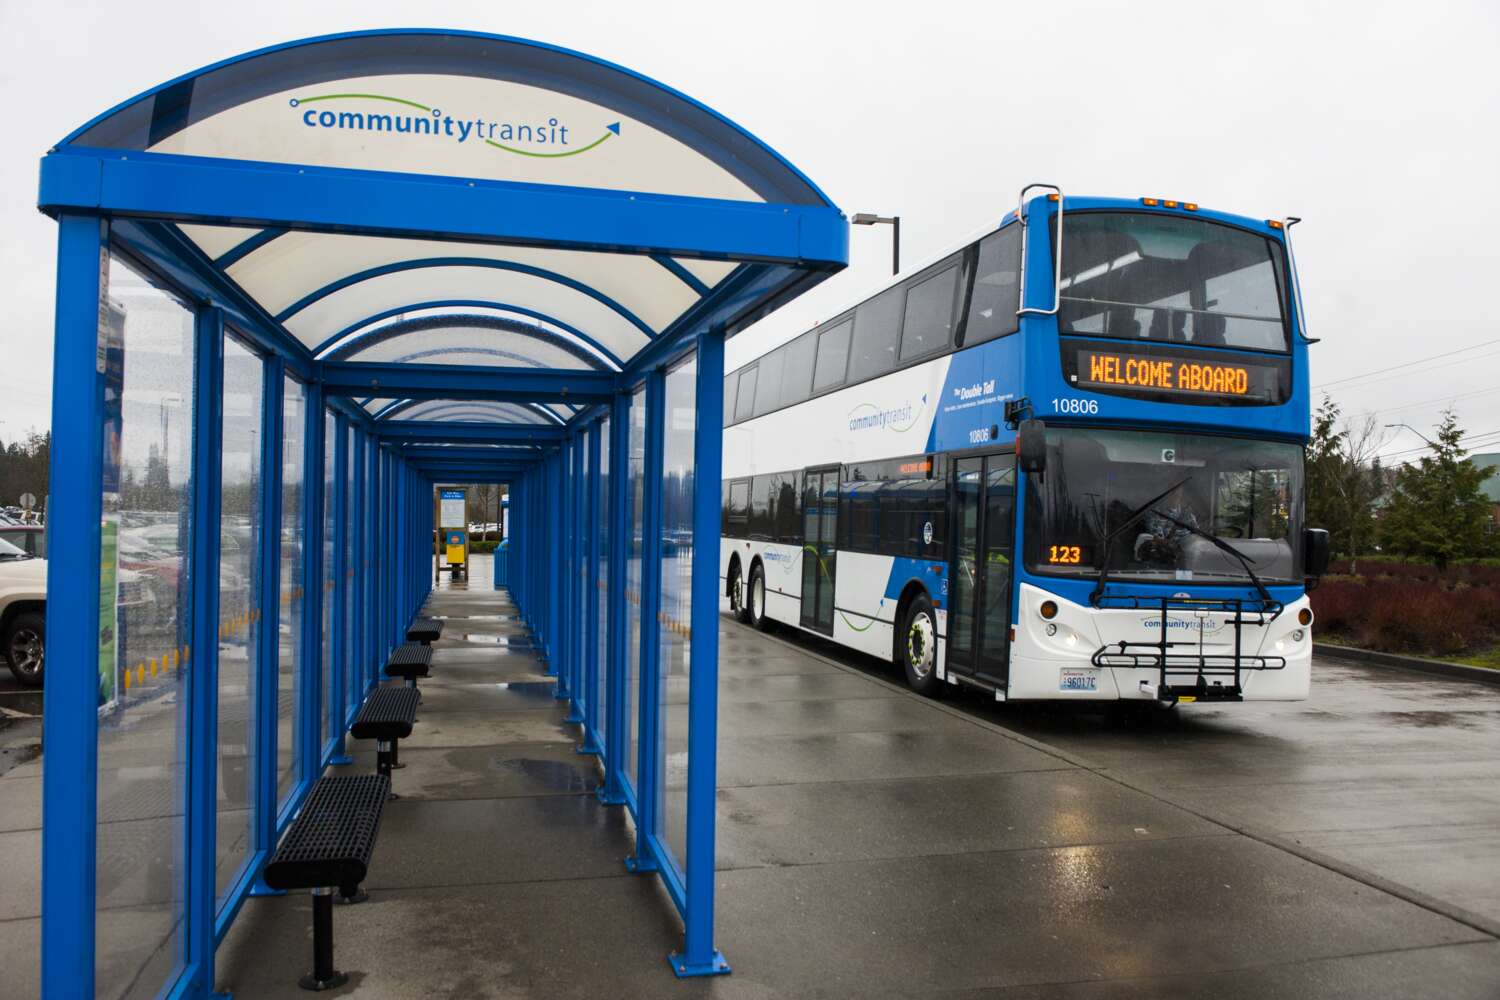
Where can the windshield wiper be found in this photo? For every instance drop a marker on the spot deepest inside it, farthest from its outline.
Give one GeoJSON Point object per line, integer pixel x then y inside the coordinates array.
{"type": "Point", "coordinates": [1245, 561]}
{"type": "Point", "coordinates": [1109, 539]}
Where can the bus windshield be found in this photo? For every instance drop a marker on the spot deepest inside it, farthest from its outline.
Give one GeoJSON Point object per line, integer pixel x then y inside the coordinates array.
{"type": "Point", "coordinates": [1247, 494]}
{"type": "Point", "coordinates": [1143, 276]}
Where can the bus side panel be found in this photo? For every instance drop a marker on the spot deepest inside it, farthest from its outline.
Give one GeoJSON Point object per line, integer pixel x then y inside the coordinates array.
{"type": "Point", "coordinates": [782, 565]}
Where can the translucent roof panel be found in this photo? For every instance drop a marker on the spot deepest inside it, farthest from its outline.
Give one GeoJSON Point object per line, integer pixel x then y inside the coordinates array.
{"type": "Point", "coordinates": [459, 104]}
{"type": "Point", "coordinates": [288, 271]}
{"type": "Point", "coordinates": [457, 342]}
{"type": "Point", "coordinates": [484, 411]}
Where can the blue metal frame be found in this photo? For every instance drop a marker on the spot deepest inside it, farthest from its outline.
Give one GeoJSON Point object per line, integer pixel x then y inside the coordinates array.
{"type": "Point", "coordinates": [70, 722]}
{"type": "Point", "coordinates": [203, 657]}
{"type": "Point", "coordinates": [334, 752]}
{"type": "Point", "coordinates": [313, 569]}
{"type": "Point", "coordinates": [612, 792]}
{"type": "Point", "coordinates": [589, 520]}
{"type": "Point", "coordinates": [649, 793]}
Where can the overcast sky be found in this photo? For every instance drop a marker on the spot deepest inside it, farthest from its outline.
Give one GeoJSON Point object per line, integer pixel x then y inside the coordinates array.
{"type": "Point", "coordinates": [1378, 123]}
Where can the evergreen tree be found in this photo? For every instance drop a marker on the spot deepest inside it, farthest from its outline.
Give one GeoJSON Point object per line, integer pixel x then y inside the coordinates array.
{"type": "Point", "coordinates": [1344, 479]}
{"type": "Point", "coordinates": [1437, 511]}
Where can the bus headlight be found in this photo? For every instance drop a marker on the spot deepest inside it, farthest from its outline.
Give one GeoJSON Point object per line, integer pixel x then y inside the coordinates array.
{"type": "Point", "coordinates": [1297, 635]}
{"type": "Point", "coordinates": [1051, 628]}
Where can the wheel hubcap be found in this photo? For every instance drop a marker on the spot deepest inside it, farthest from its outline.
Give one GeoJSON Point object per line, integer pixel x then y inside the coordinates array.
{"type": "Point", "coordinates": [919, 645]}
{"type": "Point", "coordinates": [758, 596]}
{"type": "Point", "coordinates": [736, 597]}
{"type": "Point", "coordinates": [26, 652]}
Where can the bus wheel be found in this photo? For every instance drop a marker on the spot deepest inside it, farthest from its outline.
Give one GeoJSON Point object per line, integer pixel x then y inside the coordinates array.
{"type": "Point", "coordinates": [917, 649]}
{"type": "Point", "coordinates": [756, 602]}
{"type": "Point", "coordinates": [737, 594]}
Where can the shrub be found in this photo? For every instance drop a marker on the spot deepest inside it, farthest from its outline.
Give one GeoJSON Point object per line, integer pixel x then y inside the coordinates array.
{"type": "Point", "coordinates": [1408, 608]}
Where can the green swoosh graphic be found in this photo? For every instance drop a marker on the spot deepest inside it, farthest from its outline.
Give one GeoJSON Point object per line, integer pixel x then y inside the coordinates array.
{"type": "Point", "coordinates": [368, 97]}
{"type": "Point", "coordinates": [551, 156]}
{"type": "Point", "coordinates": [824, 567]}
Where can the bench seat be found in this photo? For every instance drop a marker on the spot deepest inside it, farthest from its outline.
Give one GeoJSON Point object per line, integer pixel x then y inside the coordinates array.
{"type": "Point", "coordinates": [388, 714]}
{"type": "Point", "coordinates": [424, 630]}
{"type": "Point", "coordinates": [409, 661]}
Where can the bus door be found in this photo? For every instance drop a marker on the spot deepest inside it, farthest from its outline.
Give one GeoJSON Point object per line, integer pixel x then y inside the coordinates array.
{"type": "Point", "coordinates": [984, 495]}
{"type": "Point", "coordinates": [820, 510]}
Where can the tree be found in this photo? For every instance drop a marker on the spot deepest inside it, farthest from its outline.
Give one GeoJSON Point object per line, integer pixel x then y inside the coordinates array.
{"type": "Point", "coordinates": [1437, 511]}
{"type": "Point", "coordinates": [1344, 479]}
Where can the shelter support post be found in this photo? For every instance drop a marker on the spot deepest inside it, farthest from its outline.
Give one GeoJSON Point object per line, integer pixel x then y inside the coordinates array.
{"type": "Point", "coordinates": [573, 624]}
{"type": "Point", "coordinates": [70, 726]}
{"type": "Point", "coordinates": [699, 957]}
{"type": "Point", "coordinates": [617, 742]}
{"type": "Point", "coordinates": [268, 641]}
{"type": "Point", "coordinates": [650, 793]}
{"type": "Point", "coordinates": [313, 592]}
{"type": "Point", "coordinates": [591, 615]}
{"type": "Point", "coordinates": [203, 655]}
{"type": "Point", "coordinates": [342, 573]}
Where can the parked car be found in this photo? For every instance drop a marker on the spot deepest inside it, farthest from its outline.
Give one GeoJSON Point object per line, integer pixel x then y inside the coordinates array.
{"type": "Point", "coordinates": [30, 538]}
{"type": "Point", "coordinates": [23, 612]}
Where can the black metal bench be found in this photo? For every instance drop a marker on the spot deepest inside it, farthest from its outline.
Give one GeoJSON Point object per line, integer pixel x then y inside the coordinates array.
{"type": "Point", "coordinates": [328, 849]}
{"type": "Point", "coordinates": [424, 630]}
{"type": "Point", "coordinates": [410, 661]}
{"type": "Point", "coordinates": [387, 717]}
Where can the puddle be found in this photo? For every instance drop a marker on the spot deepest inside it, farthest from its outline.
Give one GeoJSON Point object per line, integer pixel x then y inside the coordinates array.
{"type": "Point", "coordinates": [1431, 719]}
{"type": "Point", "coordinates": [498, 640]}
{"type": "Point", "coordinates": [552, 774]}
{"type": "Point", "coordinates": [530, 689]}
{"type": "Point", "coordinates": [474, 618]}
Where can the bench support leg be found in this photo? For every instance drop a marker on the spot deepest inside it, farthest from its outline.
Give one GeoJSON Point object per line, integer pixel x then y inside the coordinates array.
{"type": "Point", "coordinates": [385, 760]}
{"type": "Point", "coordinates": [323, 976]}
{"type": "Point", "coordinates": [411, 682]}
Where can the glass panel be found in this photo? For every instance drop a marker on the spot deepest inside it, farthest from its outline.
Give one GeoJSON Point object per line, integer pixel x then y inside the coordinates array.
{"type": "Point", "coordinates": [996, 296]}
{"type": "Point", "coordinates": [999, 503]}
{"type": "Point", "coordinates": [833, 356]}
{"type": "Point", "coordinates": [601, 578]}
{"type": "Point", "coordinates": [679, 422]}
{"type": "Point", "coordinates": [966, 568]}
{"type": "Point", "coordinates": [326, 670]}
{"type": "Point", "coordinates": [635, 495]}
{"type": "Point", "coordinates": [289, 654]}
{"type": "Point", "coordinates": [731, 383]}
{"type": "Point", "coordinates": [768, 388]}
{"type": "Point", "coordinates": [796, 382]}
{"type": "Point", "coordinates": [877, 328]}
{"type": "Point", "coordinates": [928, 325]}
{"type": "Point", "coordinates": [1159, 493]}
{"type": "Point", "coordinates": [745, 406]}
{"type": "Point", "coordinates": [484, 340]}
{"type": "Point", "coordinates": [240, 525]}
{"type": "Point", "coordinates": [1164, 278]}
{"type": "Point", "coordinates": [145, 629]}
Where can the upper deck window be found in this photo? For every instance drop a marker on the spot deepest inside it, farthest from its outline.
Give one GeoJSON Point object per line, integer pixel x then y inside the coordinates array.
{"type": "Point", "coordinates": [1143, 276]}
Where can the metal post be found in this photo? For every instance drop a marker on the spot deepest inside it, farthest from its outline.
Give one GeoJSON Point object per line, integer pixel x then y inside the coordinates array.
{"type": "Point", "coordinates": [70, 721]}
{"type": "Point", "coordinates": [359, 644]}
{"type": "Point", "coordinates": [699, 957]}
{"type": "Point", "coordinates": [268, 626]}
{"type": "Point", "coordinates": [649, 768]}
{"type": "Point", "coordinates": [312, 590]}
{"type": "Point", "coordinates": [617, 743]}
{"type": "Point", "coordinates": [572, 548]}
{"type": "Point", "coordinates": [203, 657]}
{"type": "Point", "coordinates": [341, 641]}
{"type": "Point", "coordinates": [590, 578]}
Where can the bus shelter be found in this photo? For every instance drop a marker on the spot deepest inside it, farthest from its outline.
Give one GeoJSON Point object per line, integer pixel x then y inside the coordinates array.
{"type": "Point", "coordinates": [295, 290]}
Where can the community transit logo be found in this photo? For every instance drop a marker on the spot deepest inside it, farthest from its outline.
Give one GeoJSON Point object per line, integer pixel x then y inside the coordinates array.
{"type": "Point", "coordinates": [549, 138]}
{"type": "Point", "coordinates": [867, 416]}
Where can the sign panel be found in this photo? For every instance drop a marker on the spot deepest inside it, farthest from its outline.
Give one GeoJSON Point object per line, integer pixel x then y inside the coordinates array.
{"type": "Point", "coordinates": [453, 509]}
{"type": "Point", "coordinates": [1179, 376]}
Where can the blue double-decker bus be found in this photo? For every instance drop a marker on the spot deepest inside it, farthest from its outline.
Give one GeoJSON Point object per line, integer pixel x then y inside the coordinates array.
{"type": "Point", "coordinates": [1061, 461]}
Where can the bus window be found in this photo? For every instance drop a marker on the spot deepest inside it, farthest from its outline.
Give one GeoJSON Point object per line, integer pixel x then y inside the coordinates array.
{"type": "Point", "coordinates": [744, 405]}
{"type": "Point", "coordinates": [992, 308]}
{"type": "Point", "coordinates": [731, 382]}
{"type": "Point", "coordinates": [768, 387]}
{"type": "Point", "coordinates": [928, 325]}
{"type": "Point", "coordinates": [739, 508]}
{"type": "Point", "coordinates": [833, 355]}
{"type": "Point", "coordinates": [877, 328]}
{"type": "Point", "coordinates": [760, 508]}
{"type": "Point", "coordinates": [799, 368]}
{"type": "Point", "coordinates": [786, 491]}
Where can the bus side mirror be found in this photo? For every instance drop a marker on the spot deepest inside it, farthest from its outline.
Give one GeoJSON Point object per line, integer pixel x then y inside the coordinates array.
{"type": "Point", "coordinates": [1315, 551]}
{"type": "Point", "coordinates": [1031, 446]}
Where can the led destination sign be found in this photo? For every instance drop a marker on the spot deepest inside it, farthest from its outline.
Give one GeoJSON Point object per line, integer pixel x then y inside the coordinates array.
{"type": "Point", "coordinates": [1178, 375]}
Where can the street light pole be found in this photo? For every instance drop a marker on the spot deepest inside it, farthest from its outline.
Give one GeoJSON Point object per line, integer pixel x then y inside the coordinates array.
{"type": "Point", "coordinates": [1418, 433]}
{"type": "Point", "coordinates": [894, 221]}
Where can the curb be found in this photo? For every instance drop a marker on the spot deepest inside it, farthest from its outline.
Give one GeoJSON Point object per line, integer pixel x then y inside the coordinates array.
{"type": "Point", "coordinates": [1462, 671]}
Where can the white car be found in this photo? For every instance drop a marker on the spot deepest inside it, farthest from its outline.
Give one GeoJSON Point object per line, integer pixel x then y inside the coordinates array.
{"type": "Point", "coordinates": [23, 612]}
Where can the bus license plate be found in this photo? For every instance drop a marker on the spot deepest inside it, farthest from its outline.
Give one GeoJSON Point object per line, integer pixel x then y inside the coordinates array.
{"type": "Point", "coordinates": [1079, 680]}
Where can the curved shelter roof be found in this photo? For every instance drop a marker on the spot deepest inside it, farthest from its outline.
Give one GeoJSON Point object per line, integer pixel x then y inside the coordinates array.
{"type": "Point", "coordinates": [447, 203]}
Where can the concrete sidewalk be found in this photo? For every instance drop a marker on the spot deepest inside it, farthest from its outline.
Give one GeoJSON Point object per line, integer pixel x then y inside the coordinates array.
{"type": "Point", "coordinates": [870, 843]}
